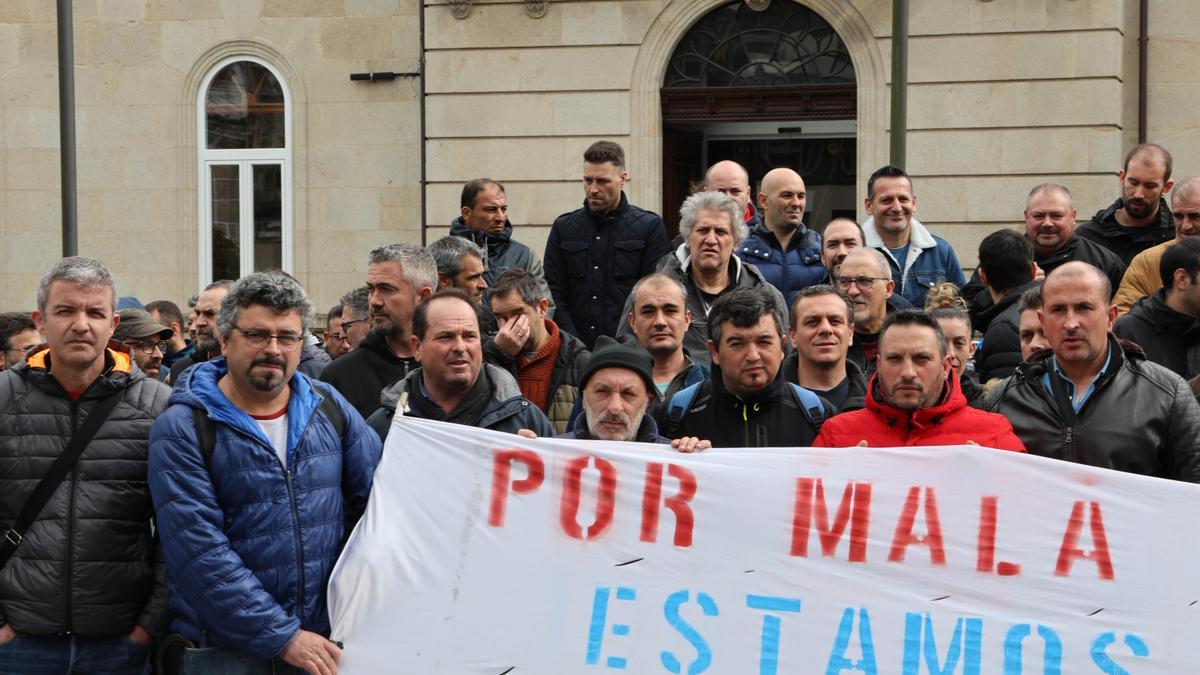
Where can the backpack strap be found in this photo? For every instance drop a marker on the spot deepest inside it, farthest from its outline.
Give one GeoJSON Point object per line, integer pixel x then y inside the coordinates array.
{"type": "Point", "coordinates": [811, 404]}
{"type": "Point", "coordinates": [206, 428]}
{"type": "Point", "coordinates": [678, 407]}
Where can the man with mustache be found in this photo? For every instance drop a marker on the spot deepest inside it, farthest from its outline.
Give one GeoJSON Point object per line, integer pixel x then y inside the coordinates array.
{"type": "Point", "coordinates": [1142, 278]}
{"type": "Point", "coordinates": [915, 398]}
{"type": "Point", "coordinates": [81, 589]}
{"type": "Point", "coordinates": [618, 391]}
{"type": "Point", "coordinates": [785, 251]}
{"type": "Point", "coordinates": [399, 277]}
{"type": "Point", "coordinates": [204, 328]}
{"type": "Point", "coordinates": [1095, 400]}
{"type": "Point", "coordinates": [745, 403]}
{"type": "Point", "coordinates": [145, 337]}
{"type": "Point", "coordinates": [712, 226]}
{"type": "Point", "coordinates": [257, 472]}
{"type": "Point", "coordinates": [453, 384]}
{"type": "Point", "coordinates": [1140, 218]}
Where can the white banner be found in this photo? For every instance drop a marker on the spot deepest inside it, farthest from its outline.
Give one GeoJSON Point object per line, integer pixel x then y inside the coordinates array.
{"type": "Point", "coordinates": [487, 553]}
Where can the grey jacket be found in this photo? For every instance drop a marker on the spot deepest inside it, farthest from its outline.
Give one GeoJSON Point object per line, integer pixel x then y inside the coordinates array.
{"type": "Point", "coordinates": [678, 264]}
{"type": "Point", "coordinates": [89, 564]}
{"type": "Point", "coordinates": [507, 411]}
{"type": "Point", "coordinates": [1140, 417]}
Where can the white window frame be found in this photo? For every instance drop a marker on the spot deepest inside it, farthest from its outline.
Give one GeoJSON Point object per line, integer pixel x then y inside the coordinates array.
{"type": "Point", "coordinates": [246, 159]}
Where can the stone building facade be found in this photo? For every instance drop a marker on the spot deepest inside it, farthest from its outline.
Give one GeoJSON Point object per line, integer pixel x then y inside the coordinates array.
{"type": "Point", "coordinates": [1003, 94]}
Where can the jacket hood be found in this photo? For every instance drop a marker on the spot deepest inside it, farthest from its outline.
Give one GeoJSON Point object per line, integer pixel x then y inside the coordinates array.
{"type": "Point", "coordinates": [952, 400]}
{"type": "Point", "coordinates": [919, 235]}
{"type": "Point", "coordinates": [458, 228]}
{"type": "Point", "coordinates": [197, 388]}
{"type": "Point", "coordinates": [989, 314]}
{"type": "Point", "coordinates": [1154, 310]}
{"type": "Point", "coordinates": [1107, 217]}
{"type": "Point", "coordinates": [680, 262]}
{"type": "Point", "coordinates": [504, 387]}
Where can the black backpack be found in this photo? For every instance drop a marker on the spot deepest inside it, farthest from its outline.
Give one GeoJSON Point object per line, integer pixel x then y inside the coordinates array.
{"type": "Point", "coordinates": [206, 427]}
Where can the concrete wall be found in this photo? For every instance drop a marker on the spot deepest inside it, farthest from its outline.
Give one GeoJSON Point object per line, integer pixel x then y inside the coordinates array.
{"type": "Point", "coordinates": [139, 64]}
{"type": "Point", "coordinates": [1004, 94]}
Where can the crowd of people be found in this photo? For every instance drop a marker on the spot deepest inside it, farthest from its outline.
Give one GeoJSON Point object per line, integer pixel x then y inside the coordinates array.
{"type": "Point", "coordinates": [187, 480]}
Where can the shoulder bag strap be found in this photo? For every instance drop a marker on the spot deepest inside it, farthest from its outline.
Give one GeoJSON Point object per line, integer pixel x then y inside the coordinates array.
{"type": "Point", "coordinates": [54, 477]}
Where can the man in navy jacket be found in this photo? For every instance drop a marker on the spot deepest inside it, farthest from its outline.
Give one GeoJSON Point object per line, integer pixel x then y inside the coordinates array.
{"type": "Point", "coordinates": [257, 473]}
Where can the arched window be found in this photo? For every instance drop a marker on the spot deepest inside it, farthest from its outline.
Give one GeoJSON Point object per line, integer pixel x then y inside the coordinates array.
{"type": "Point", "coordinates": [245, 170]}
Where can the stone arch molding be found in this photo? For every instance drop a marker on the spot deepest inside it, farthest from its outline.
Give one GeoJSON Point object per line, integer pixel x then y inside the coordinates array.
{"type": "Point", "coordinates": [673, 22]}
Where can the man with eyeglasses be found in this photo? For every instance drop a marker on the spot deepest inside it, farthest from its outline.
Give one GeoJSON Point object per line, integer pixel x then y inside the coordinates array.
{"type": "Point", "coordinates": [205, 341]}
{"type": "Point", "coordinates": [334, 338]}
{"type": "Point", "coordinates": [257, 472]}
{"type": "Point", "coordinates": [866, 277]}
{"type": "Point", "coordinates": [142, 334]}
{"type": "Point", "coordinates": [356, 316]}
{"type": "Point", "coordinates": [1142, 277]}
{"type": "Point", "coordinates": [18, 333]}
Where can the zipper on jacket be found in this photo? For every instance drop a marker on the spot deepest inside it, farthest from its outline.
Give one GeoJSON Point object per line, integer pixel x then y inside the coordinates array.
{"type": "Point", "coordinates": [70, 528]}
{"type": "Point", "coordinates": [299, 549]}
{"type": "Point", "coordinates": [1069, 444]}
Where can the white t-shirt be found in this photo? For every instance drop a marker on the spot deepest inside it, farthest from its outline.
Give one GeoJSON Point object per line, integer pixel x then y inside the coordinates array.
{"type": "Point", "coordinates": [275, 428]}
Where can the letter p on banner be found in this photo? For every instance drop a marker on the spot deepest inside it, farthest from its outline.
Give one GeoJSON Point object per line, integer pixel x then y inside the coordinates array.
{"type": "Point", "coordinates": [501, 469]}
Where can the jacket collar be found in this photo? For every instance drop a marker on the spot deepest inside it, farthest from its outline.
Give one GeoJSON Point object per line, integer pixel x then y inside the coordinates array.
{"type": "Point", "coordinates": [1153, 309]}
{"type": "Point", "coordinates": [620, 207]}
{"type": "Point", "coordinates": [684, 258]}
{"type": "Point", "coordinates": [504, 386]}
{"type": "Point", "coordinates": [458, 228]}
{"type": "Point", "coordinates": [918, 235]}
{"type": "Point", "coordinates": [647, 431]}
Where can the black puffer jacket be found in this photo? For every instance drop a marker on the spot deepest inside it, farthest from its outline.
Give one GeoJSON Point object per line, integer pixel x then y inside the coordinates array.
{"type": "Point", "coordinates": [89, 564]}
{"type": "Point", "coordinates": [1000, 352]}
{"type": "Point", "coordinates": [1104, 229]}
{"type": "Point", "coordinates": [592, 263]}
{"type": "Point", "coordinates": [1169, 338]}
{"type": "Point", "coordinates": [1140, 417]}
{"type": "Point", "coordinates": [773, 417]}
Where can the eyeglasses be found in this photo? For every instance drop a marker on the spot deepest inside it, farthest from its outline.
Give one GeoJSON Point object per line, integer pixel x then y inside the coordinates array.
{"type": "Point", "coordinates": [259, 339]}
{"type": "Point", "coordinates": [346, 324]}
{"type": "Point", "coordinates": [146, 348]}
{"type": "Point", "coordinates": [336, 337]}
{"type": "Point", "coordinates": [862, 282]}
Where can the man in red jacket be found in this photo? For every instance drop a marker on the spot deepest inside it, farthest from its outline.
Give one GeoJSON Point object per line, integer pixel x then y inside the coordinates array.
{"type": "Point", "coordinates": [914, 397]}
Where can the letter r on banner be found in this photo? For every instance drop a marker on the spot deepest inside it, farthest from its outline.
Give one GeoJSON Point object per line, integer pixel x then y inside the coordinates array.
{"type": "Point", "coordinates": [680, 504]}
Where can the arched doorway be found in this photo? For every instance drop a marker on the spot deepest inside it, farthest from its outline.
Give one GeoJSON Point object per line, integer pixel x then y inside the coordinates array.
{"type": "Point", "coordinates": [766, 88]}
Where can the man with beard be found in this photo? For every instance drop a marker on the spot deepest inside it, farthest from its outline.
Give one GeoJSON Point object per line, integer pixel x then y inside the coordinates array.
{"type": "Point", "coordinates": [1140, 218]}
{"type": "Point", "coordinates": [356, 316]}
{"type": "Point", "coordinates": [914, 398]}
{"type": "Point", "coordinates": [453, 384]}
{"type": "Point", "coordinates": [1166, 325]}
{"type": "Point", "coordinates": [1094, 400]}
{"type": "Point", "coordinates": [1142, 278]}
{"type": "Point", "coordinates": [745, 403]}
{"type": "Point", "coordinates": [399, 277]}
{"type": "Point", "coordinates": [176, 347]}
{"type": "Point", "coordinates": [257, 473]}
{"type": "Point", "coordinates": [785, 251]}
{"type": "Point", "coordinates": [822, 328]}
{"type": "Point", "coordinates": [145, 337]}
{"type": "Point", "coordinates": [617, 395]}
{"type": "Point", "coordinates": [841, 236]}
{"type": "Point", "coordinates": [204, 328]}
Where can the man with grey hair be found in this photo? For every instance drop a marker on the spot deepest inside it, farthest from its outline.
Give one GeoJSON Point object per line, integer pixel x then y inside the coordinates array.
{"type": "Point", "coordinates": [356, 316]}
{"type": "Point", "coordinates": [82, 585]}
{"type": "Point", "coordinates": [866, 277]}
{"type": "Point", "coordinates": [459, 265]}
{"type": "Point", "coordinates": [257, 471]}
{"type": "Point", "coordinates": [712, 227]}
{"type": "Point", "coordinates": [399, 276]}
{"type": "Point", "coordinates": [782, 247]}
{"type": "Point", "coordinates": [205, 343]}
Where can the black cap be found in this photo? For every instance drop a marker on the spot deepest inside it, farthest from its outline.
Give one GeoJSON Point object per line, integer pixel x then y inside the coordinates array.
{"type": "Point", "coordinates": [624, 353]}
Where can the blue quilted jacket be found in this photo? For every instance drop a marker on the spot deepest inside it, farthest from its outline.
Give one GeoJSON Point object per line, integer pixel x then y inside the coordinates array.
{"type": "Point", "coordinates": [250, 546]}
{"type": "Point", "coordinates": [798, 267]}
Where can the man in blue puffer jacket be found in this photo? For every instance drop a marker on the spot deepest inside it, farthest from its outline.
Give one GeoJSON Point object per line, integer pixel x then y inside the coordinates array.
{"type": "Point", "coordinates": [257, 473]}
{"type": "Point", "coordinates": [786, 251]}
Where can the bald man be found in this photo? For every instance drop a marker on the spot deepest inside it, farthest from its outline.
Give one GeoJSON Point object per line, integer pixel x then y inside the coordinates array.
{"type": "Point", "coordinates": [732, 180]}
{"type": "Point", "coordinates": [1091, 399]}
{"type": "Point", "coordinates": [786, 252]}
